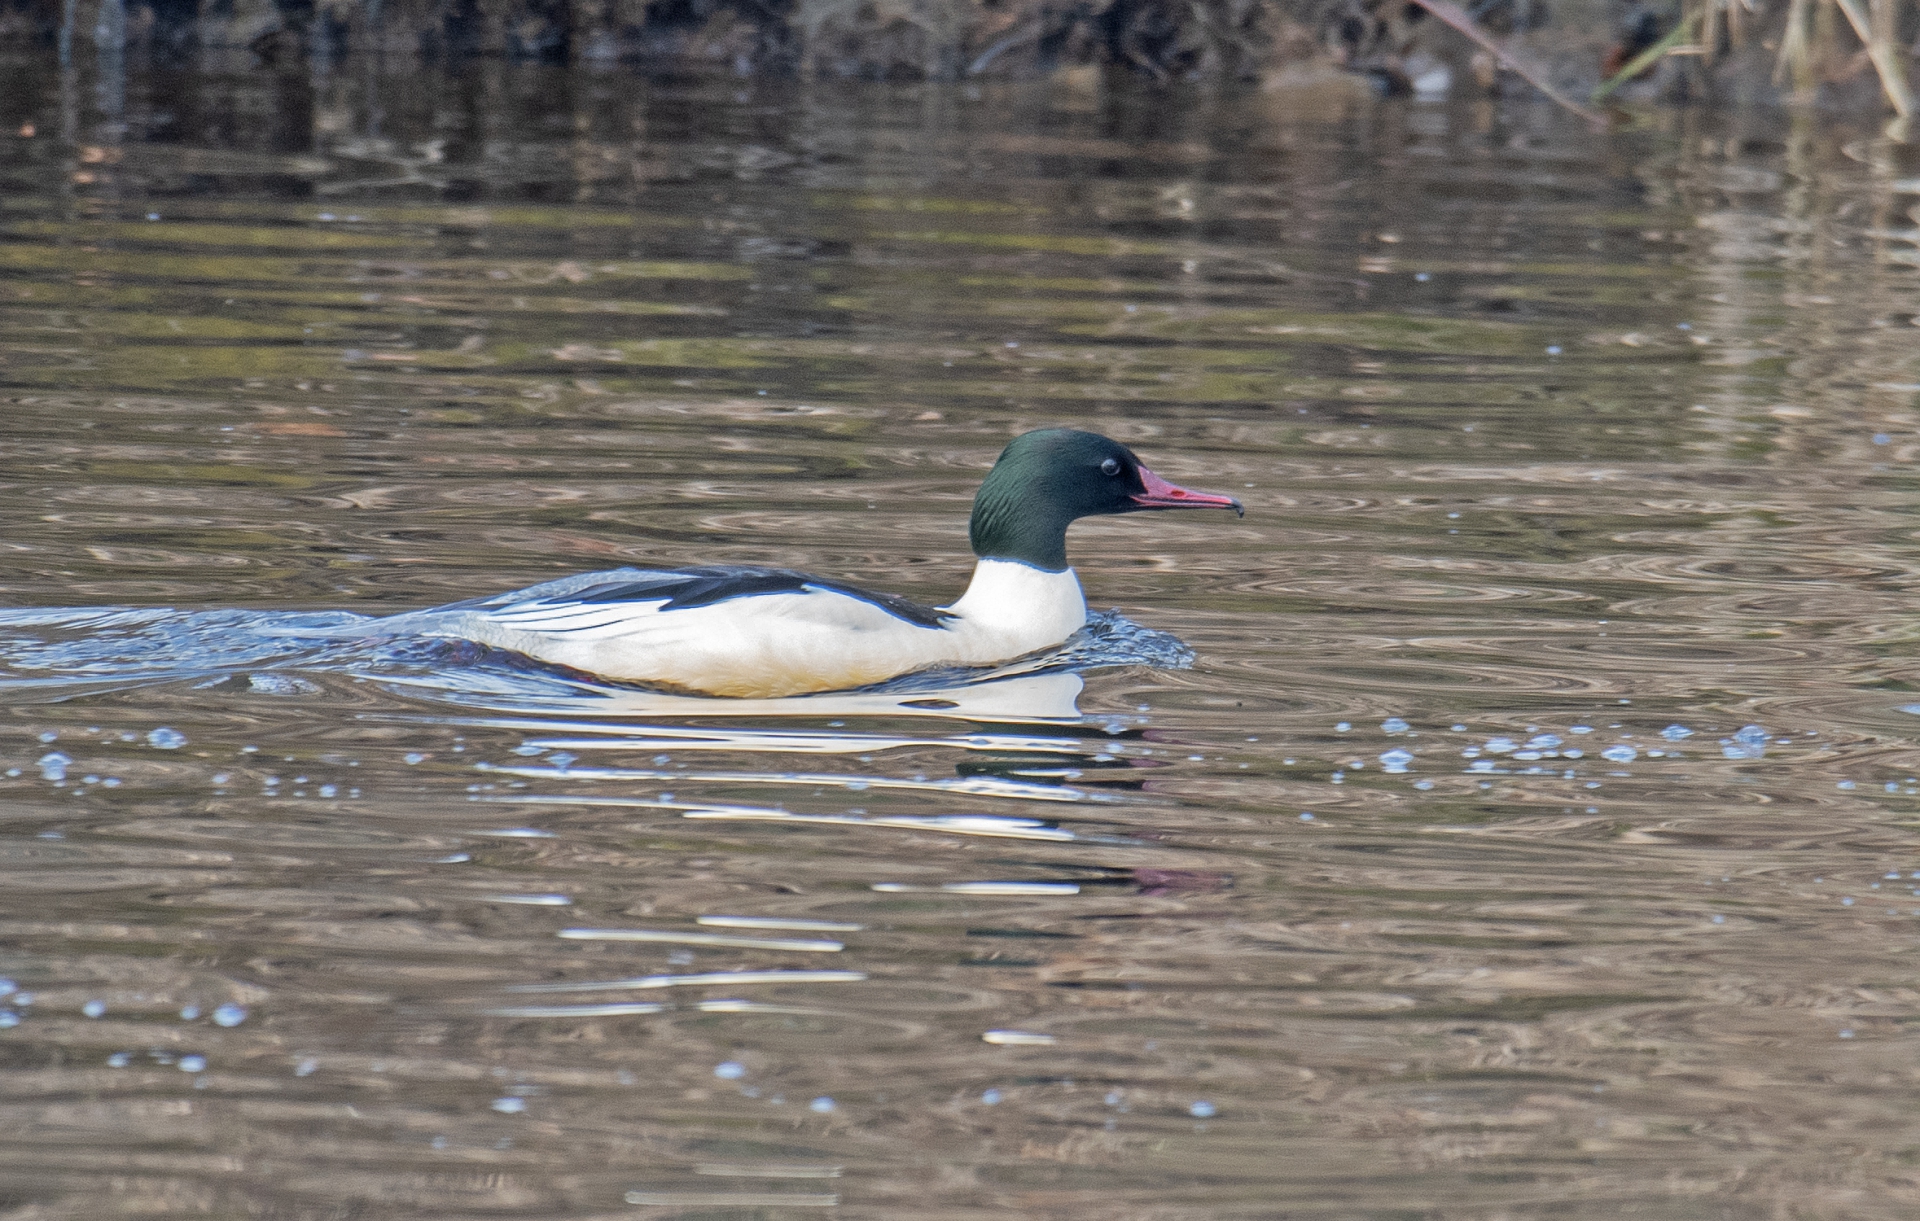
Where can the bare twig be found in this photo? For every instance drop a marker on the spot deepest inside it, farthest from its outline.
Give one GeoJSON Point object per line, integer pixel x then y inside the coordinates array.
{"type": "Point", "coordinates": [1457, 17]}
{"type": "Point", "coordinates": [1021, 34]}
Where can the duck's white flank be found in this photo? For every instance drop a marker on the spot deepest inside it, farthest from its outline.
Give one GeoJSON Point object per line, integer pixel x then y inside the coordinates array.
{"type": "Point", "coordinates": [767, 645]}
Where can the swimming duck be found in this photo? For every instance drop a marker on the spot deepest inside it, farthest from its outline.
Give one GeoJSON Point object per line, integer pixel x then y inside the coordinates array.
{"type": "Point", "coordinates": [732, 630]}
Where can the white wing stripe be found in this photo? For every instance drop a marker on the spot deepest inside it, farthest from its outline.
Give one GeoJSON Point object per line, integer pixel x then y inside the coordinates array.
{"type": "Point", "coordinates": [575, 619]}
{"type": "Point", "coordinates": [562, 614]}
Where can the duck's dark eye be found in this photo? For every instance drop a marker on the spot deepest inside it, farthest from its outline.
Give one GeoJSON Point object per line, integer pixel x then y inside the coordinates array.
{"type": "Point", "coordinates": [1110, 466]}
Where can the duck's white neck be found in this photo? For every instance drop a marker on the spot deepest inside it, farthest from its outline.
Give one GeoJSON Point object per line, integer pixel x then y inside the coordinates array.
{"type": "Point", "coordinates": [1020, 608]}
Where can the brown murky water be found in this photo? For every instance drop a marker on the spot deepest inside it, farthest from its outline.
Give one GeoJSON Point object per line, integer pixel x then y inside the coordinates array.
{"type": "Point", "coordinates": [1574, 603]}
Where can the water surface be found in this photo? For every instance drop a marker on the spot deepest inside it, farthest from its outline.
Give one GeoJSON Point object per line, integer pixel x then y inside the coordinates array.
{"type": "Point", "coordinates": [1532, 835]}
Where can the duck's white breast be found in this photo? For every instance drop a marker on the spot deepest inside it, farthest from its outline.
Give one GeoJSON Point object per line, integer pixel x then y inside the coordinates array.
{"type": "Point", "coordinates": [1010, 609]}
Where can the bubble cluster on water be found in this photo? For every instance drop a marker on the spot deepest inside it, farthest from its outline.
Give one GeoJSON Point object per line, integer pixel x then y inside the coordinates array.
{"type": "Point", "coordinates": [1546, 753]}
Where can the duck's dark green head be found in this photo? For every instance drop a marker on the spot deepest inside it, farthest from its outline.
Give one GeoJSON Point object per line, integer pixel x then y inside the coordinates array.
{"type": "Point", "coordinates": [1046, 480]}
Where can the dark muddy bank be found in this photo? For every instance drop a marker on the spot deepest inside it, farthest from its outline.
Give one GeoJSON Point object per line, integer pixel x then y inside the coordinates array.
{"type": "Point", "coordinates": [1847, 54]}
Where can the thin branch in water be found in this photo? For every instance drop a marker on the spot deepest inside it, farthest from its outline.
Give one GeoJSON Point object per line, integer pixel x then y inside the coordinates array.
{"type": "Point", "coordinates": [1457, 17]}
{"type": "Point", "coordinates": [1020, 35]}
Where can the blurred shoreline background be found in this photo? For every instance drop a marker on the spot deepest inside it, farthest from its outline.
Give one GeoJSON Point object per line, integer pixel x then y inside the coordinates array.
{"type": "Point", "coordinates": [1847, 55]}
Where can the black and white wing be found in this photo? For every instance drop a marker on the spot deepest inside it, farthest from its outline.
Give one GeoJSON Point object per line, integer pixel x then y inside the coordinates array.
{"type": "Point", "coordinates": [603, 601]}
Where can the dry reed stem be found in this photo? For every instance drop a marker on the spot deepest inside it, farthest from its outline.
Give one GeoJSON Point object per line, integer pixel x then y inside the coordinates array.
{"type": "Point", "coordinates": [1647, 58]}
{"type": "Point", "coordinates": [1796, 51]}
{"type": "Point", "coordinates": [1875, 31]}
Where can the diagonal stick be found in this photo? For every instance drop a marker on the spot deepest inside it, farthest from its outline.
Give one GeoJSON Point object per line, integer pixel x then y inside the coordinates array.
{"type": "Point", "coordinates": [1457, 17]}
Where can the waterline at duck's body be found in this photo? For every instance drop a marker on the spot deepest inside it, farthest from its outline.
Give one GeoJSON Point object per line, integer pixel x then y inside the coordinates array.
{"type": "Point", "coordinates": [818, 637]}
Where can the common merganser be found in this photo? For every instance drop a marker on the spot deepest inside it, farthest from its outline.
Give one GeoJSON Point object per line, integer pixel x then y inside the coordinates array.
{"type": "Point", "coordinates": [732, 630]}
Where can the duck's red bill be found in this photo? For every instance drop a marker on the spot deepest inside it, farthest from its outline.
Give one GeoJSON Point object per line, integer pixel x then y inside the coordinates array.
{"type": "Point", "coordinates": [1160, 494]}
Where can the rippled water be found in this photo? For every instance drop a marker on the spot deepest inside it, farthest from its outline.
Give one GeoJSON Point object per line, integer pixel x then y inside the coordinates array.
{"type": "Point", "coordinates": [1533, 834]}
